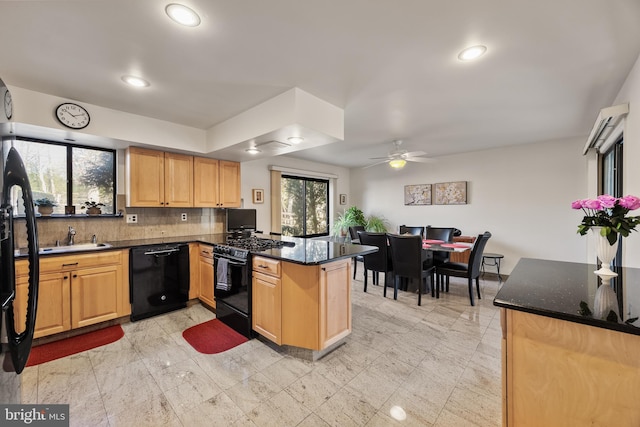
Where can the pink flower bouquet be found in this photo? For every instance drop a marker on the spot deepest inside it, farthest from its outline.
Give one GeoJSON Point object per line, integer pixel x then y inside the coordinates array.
{"type": "Point", "coordinates": [609, 213]}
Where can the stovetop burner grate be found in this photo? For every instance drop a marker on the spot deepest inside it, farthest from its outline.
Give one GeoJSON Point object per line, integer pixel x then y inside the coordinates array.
{"type": "Point", "coordinates": [256, 243]}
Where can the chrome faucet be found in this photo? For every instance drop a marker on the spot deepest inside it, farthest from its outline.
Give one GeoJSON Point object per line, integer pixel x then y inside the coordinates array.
{"type": "Point", "coordinates": [71, 236]}
{"type": "Point", "coordinates": [94, 239]}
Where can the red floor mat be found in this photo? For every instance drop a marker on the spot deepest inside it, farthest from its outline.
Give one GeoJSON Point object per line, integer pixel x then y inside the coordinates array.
{"type": "Point", "coordinates": [66, 347]}
{"type": "Point", "coordinates": [213, 337]}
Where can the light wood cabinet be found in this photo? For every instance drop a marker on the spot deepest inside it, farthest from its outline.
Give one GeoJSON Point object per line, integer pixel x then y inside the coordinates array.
{"type": "Point", "coordinates": [158, 179]}
{"type": "Point", "coordinates": [75, 291]}
{"type": "Point", "coordinates": [266, 316]}
{"type": "Point", "coordinates": [306, 306]}
{"type": "Point", "coordinates": [335, 303]}
{"type": "Point", "coordinates": [216, 183]}
{"type": "Point", "coordinates": [556, 372]}
{"type": "Point", "coordinates": [205, 275]}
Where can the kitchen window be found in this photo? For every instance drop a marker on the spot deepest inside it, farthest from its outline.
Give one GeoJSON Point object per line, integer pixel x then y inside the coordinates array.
{"type": "Point", "coordinates": [68, 174]}
{"type": "Point", "coordinates": [611, 181]}
{"type": "Point", "coordinates": [305, 206]}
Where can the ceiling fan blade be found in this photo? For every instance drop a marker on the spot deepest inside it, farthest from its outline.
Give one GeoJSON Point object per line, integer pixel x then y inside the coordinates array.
{"type": "Point", "coordinates": [420, 159]}
{"type": "Point", "coordinates": [414, 154]}
{"type": "Point", "coordinates": [380, 158]}
{"type": "Point", "coordinates": [375, 164]}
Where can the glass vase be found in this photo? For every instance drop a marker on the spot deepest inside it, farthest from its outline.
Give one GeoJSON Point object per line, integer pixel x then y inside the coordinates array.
{"type": "Point", "coordinates": [606, 252]}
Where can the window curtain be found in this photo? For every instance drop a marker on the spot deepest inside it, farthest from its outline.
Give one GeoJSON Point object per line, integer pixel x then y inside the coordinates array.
{"type": "Point", "coordinates": [276, 202]}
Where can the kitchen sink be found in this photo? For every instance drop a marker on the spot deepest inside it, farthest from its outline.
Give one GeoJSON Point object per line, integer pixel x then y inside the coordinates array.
{"type": "Point", "coordinates": [68, 248]}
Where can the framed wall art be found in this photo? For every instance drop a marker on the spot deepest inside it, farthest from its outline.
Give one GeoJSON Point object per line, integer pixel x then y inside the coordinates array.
{"type": "Point", "coordinates": [258, 195]}
{"type": "Point", "coordinates": [417, 194]}
{"type": "Point", "coordinates": [451, 193]}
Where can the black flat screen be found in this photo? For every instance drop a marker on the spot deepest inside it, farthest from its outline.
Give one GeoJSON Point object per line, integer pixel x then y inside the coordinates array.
{"type": "Point", "coordinates": [241, 219]}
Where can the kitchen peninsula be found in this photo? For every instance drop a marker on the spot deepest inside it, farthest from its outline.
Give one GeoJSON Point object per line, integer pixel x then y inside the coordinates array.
{"type": "Point", "coordinates": [560, 364]}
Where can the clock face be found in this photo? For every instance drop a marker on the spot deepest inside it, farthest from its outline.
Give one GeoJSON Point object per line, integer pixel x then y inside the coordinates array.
{"type": "Point", "coordinates": [72, 115]}
{"type": "Point", "coordinates": [8, 105]}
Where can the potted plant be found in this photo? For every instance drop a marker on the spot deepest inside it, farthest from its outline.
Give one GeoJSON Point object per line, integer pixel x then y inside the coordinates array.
{"type": "Point", "coordinates": [349, 217]}
{"type": "Point", "coordinates": [45, 206]}
{"type": "Point", "coordinates": [93, 208]}
{"type": "Point", "coordinates": [377, 224]}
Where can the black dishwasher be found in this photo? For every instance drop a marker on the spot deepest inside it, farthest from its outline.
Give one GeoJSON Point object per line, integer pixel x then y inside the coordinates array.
{"type": "Point", "coordinates": [158, 279]}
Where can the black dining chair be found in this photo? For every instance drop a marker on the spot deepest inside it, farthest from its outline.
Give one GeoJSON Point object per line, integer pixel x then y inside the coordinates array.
{"type": "Point", "coordinates": [439, 233]}
{"type": "Point", "coordinates": [377, 262]}
{"type": "Point", "coordinates": [471, 270]}
{"type": "Point", "coordinates": [353, 234]}
{"type": "Point", "coordinates": [413, 230]}
{"type": "Point", "coordinates": [407, 262]}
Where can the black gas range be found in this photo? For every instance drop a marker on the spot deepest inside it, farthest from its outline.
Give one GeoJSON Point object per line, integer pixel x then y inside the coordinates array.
{"type": "Point", "coordinates": [232, 278]}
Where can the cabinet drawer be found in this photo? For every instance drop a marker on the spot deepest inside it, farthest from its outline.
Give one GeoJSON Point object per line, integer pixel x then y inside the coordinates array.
{"type": "Point", "coordinates": [206, 251]}
{"type": "Point", "coordinates": [74, 262]}
{"type": "Point", "coordinates": [266, 265]}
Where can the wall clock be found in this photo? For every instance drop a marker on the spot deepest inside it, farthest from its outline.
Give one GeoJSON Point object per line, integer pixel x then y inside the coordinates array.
{"type": "Point", "coordinates": [72, 115]}
{"type": "Point", "coordinates": [8, 105]}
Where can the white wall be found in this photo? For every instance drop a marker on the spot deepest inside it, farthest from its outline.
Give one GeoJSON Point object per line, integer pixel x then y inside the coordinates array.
{"type": "Point", "coordinates": [630, 92]}
{"type": "Point", "coordinates": [521, 194]}
{"type": "Point", "coordinates": [256, 174]}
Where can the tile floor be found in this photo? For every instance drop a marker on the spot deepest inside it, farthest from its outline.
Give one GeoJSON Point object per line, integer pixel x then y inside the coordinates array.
{"type": "Point", "coordinates": [438, 364]}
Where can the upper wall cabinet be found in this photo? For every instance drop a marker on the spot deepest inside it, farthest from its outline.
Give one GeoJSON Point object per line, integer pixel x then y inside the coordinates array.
{"type": "Point", "coordinates": [216, 183]}
{"type": "Point", "coordinates": [157, 179]}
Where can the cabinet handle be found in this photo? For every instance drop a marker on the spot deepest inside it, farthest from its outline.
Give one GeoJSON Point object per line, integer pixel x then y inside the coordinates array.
{"type": "Point", "coordinates": [65, 277]}
{"type": "Point", "coordinates": [75, 275]}
{"type": "Point", "coordinates": [69, 265]}
{"type": "Point", "coordinates": [263, 266]}
{"type": "Point", "coordinates": [324, 269]}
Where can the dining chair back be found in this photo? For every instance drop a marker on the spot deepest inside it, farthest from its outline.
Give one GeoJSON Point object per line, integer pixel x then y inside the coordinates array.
{"type": "Point", "coordinates": [439, 233]}
{"type": "Point", "coordinates": [470, 270]}
{"type": "Point", "coordinates": [377, 262]}
{"type": "Point", "coordinates": [413, 230]}
{"type": "Point", "coordinates": [353, 235]}
{"type": "Point", "coordinates": [406, 259]}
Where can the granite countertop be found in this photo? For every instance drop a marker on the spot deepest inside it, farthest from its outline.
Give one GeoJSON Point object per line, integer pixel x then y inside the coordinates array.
{"type": "Point", "coordinates": [304, 251]}
{"type": "Point", "coordinates": [567, 291]}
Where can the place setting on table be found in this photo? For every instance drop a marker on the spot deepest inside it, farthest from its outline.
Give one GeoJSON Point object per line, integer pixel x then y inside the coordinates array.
{"type": "Point", "coordinates": [441, 245]}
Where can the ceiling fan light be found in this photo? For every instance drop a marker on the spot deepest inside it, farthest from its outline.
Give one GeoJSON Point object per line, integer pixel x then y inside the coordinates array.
{"type": "Point", "coordinates": [397, 163]}
{"type": "Point", "coordinates": [295, 139]}
{"type": "Point", "coordinates": [252, 150]}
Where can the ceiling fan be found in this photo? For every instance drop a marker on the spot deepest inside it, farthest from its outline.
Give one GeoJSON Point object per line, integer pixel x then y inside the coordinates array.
{"type": "Point", "coordinates": [398, 157]}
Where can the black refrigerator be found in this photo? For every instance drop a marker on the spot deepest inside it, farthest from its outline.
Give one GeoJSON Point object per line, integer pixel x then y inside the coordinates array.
{"type": "Point", "coordinates": [15, 343]}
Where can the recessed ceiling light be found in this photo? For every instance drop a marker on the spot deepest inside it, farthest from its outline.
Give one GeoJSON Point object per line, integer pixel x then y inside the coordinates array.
{"type": "Point", "coordinates": [182, 15]}
{"type": "Point", "coordinates": [472, 53]}
{"type": "Point", "coordinates": [252, 150]}
{"type": "Point", "coordinates": [295, 139]}
{"type": "Point", "coordinates": [135, 81]}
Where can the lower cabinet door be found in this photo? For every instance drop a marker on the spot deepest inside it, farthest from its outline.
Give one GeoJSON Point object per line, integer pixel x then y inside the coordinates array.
{"type": "Point", "coordinates": [94, 295]}
{"type": "Point", "coordinates": [335, 302]}
{"type": "Point", "coordinates": [267, 306]}
{"type": "Point", "coordinates": [206, 281]}
{"type": "Point", "coordinates": [53, 304]}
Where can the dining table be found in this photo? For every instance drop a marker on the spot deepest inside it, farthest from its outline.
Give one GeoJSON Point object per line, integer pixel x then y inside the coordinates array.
{"type": "Point", "coordinates": [429, 246]}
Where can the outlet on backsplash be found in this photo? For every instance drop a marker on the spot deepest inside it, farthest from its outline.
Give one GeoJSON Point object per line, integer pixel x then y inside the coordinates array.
{"type": "Point", "coordinates": [132, 219]}
{"type": "Point", "coordinates": [183, 216]}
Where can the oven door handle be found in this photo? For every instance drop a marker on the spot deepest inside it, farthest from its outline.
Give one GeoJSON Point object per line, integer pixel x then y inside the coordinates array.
{"type": "Point", "coordinates": [230, 261]}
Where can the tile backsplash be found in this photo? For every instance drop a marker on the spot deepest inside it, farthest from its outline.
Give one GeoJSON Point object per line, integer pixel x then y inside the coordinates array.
{"type": "Point", "coordinates": [152, 223]}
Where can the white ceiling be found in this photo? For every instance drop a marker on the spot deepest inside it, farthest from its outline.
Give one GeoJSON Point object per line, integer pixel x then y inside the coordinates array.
{"type": "Point", "coordinates": [390, 64]}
